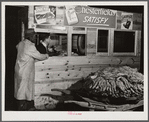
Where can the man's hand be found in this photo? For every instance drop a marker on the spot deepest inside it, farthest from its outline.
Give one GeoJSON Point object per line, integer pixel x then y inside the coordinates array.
{"type": "Point", "coordinates": [50, 49]}
{"type": "Point", "coordinates": [47, 56]}
{"type": "Point", "coordinates": [58, 48]}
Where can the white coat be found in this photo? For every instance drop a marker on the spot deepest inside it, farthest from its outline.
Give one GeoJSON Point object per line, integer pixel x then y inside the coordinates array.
{"type": "Point", "coordinates": [25, 70]}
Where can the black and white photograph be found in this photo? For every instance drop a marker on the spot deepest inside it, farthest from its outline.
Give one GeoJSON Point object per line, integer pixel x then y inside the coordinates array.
{"type": "Point", "coordinates": [74, 60]}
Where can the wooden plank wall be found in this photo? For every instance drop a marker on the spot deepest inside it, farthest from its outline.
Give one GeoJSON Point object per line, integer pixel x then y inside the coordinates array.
{"type": "Point", "coordinates": [57, 69]}
{"type": "Point", "coordinates": [65, 68]}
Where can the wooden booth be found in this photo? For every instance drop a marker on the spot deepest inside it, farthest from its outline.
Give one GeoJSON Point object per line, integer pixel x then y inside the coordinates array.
{"type": "Point", "coordinates": [89, 39]}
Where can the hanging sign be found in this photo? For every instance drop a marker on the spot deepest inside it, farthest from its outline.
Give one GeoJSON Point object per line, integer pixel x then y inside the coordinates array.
{"type": "Point", "coordinates": [88, 16]}
{"type": "Point", "coordinates": [45, 14]}
{"type": "Point", "coordinates": [127, 21]}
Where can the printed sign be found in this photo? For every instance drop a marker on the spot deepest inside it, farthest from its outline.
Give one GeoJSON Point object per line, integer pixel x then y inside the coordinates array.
{"type": "Point", "coordinates": [127, 21]}
{"type": "Point", "coordinates": [88, 16]}
{"type": "Point", "coordinates": [45, 14]}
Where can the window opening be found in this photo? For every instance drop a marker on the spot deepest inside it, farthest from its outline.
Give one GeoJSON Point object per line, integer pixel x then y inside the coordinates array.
{"type": "Point", "coordinates": [102, 44]}
{"type": "Point", "coordinates": [124, 41]}
{"type": "Point", "coordinates": [57, 46]}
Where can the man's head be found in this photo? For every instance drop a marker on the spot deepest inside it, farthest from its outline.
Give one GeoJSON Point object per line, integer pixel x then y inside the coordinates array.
{"type": "Point", "coordinates": [30, 35]}
{"type": "Point", "coordinates": [45, 37]}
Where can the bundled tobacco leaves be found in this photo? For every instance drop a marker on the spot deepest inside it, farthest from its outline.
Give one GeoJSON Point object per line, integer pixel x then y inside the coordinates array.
{"type": "Point", "coordinates": [115, 82]}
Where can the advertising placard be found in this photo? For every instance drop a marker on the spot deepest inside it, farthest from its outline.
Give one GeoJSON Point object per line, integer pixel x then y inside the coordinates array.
{"type": "Point", "coordinates": [127, 21]}
{"type": "Point", "coordinates": [45, 14]}
{"type": "Point", "coordinates": [88, 16]}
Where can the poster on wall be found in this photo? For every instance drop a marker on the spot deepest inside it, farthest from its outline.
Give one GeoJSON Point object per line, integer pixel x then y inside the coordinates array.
{"type": "Point", "coordinates": [88, 16]}
{"type": "Point", "coordinates": [127, 21]}
{"type": "Point", "coordinates": [45, 14]}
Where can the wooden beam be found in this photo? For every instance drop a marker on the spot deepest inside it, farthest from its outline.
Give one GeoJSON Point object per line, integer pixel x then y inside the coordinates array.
{"type": "Point", "coordinates": [136, 43]}
{"type": "Point", "coordinates": [91, 40]}
{"type": "Point", "coordinates": [69, 41]}
{"type": "Point", "coordinates": [111, 42]}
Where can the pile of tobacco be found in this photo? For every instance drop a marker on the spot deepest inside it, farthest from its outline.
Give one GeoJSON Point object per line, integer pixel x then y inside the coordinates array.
{"type": "Point", "coordinates": [115, 83]}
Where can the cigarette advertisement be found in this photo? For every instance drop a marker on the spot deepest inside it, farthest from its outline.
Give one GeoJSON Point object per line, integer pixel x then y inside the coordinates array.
{"type": "Point", "coordinates": [71, 15]}
{"type": "Point", "coordinates": [45, 14]}
{"type": "Point", "coordinates": [88, 16]}
{"type": "Point", "coordinates": [127, 21]}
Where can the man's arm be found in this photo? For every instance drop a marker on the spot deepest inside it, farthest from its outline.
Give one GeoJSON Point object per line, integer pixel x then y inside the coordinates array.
{"type": "Point", "coordinates": [32, 51]}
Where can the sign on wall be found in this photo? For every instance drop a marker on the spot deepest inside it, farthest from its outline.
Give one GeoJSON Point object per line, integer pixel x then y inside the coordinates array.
{"type": "Point", "coordinates": [127, 21]}
{"type": "Point", "coordinates": [45, 14]}
{"type": "Point", "coordinates": [88, 16]}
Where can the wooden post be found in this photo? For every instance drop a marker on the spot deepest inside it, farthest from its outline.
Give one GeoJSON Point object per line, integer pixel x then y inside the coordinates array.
{"type": "Point", "coordinates": [91, 41]}
{"type": "Point", "coordinates": [69, 41]}
{"type": "Point", "coordinates": [60, 40]}
{"type": "Point", "coordinates": [22, 31]}
{"type": "Point", "coordinates": [30, 16]}
{"type": "Point", "coordinates": [111, 42]}
{"type": "Point", "coordinates": [137, 42]}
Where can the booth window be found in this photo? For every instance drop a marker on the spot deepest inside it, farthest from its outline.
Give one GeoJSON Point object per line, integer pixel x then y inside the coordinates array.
{"type": "Point", "coordinates": [124, 41]}
{"type": "Point", "coordinates": [58, 44]}
{"type": "Point", "coordinates": [102, 44]}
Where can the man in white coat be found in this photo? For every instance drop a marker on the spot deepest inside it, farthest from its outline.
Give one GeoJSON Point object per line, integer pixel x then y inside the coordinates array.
{"type": "Point", "coordinates": [25, 70]}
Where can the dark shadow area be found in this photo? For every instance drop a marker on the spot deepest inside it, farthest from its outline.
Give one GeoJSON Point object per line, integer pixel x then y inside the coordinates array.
{"type": "Point", "coordinates": [11, 39]}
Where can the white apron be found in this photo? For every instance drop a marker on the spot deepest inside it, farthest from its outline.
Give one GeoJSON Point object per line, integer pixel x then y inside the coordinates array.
{"type": "Point", "coordinates": [25, 70]}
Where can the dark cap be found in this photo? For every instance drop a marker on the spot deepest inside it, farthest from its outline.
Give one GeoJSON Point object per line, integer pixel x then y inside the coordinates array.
{"type": "Point", "coordinates": [29, 32]}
